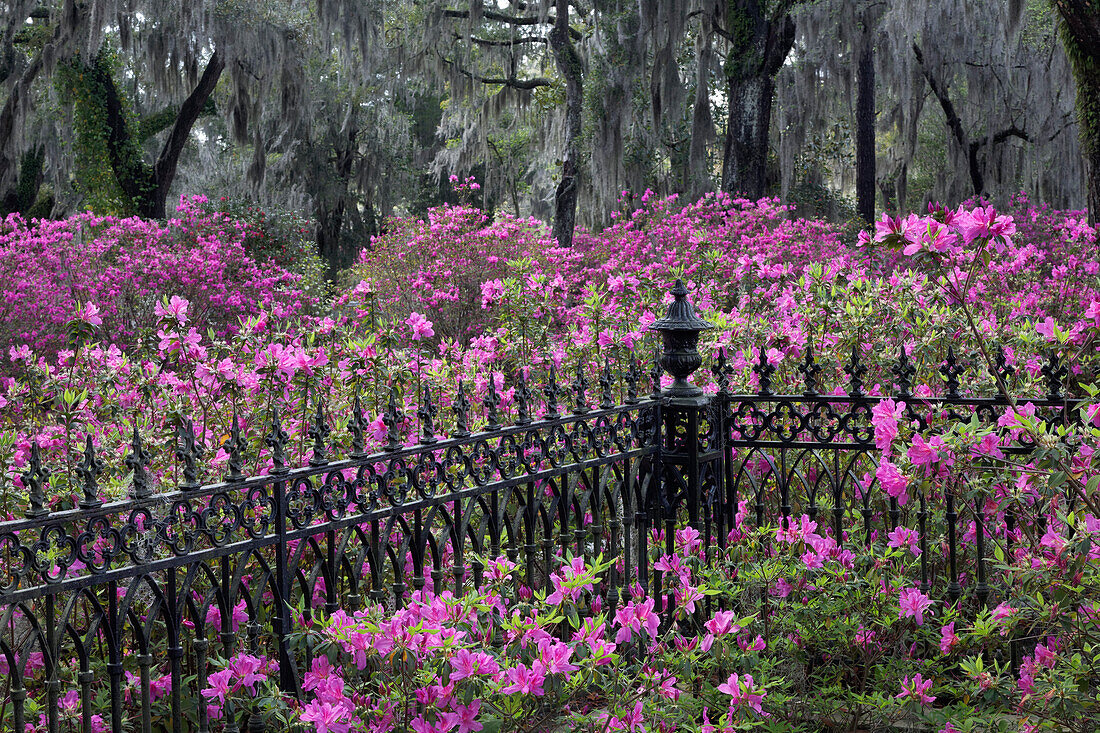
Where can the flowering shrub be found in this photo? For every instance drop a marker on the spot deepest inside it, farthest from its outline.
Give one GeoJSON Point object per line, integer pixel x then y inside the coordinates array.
{"type": "Point", "coordinates": [799, 623]}
{"type": "Point", "coordinates": [119, 268]}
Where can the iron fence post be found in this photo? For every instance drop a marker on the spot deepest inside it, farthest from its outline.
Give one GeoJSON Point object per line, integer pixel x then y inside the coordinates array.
{"type": "Point", "coordinates": [690, 458]}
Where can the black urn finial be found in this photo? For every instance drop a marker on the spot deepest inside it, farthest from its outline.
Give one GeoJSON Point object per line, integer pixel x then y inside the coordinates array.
{"type": "Point", "coordinates": [680, 329]}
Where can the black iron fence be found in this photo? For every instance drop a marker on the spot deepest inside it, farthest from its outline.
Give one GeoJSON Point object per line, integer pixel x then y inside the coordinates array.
{"type": "Point", "coordinates": [127, 601]}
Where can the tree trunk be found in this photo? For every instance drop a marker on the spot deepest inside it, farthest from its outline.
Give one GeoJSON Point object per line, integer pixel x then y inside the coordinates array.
{"type": "Point", "coordinates": [758, 48]}
{"type": "Point", "coordinates": [331, 205]}
{"type": "Point", "coordinates": [572, 70]}
{"type": "Point", "coordinates": [888, 186]}
{"type": "Point", "coordinates": [147, 186]}
{"type": "Point", "coordinates": [698, 177]}
{"type": "Point", "coordinates": [865, 130]}
{"type": "Point", "coordinates": [330, 222]}
{"type": "Point", "coordinates": [164, 172]}
{"type": "Point", "coordinates": [1081, 37]}
{"type": "Point", "coordinates": [745, 157]}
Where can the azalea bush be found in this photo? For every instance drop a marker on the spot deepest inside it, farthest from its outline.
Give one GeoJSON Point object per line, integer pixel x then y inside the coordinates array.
{"type": "Point", "coordinates": [112, 271]}
{"type": "Point", "coordinates": [793, 623]}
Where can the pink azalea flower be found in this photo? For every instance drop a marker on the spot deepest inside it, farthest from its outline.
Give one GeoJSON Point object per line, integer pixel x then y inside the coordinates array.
{"type": "Point", "coordinates": [892, 481]}
{"type": "Point", "coordinates": [742, 690]}
{"type": "Point", "coordinates": [948, 638]}
{"type": "Point", "coordinates": [885, 417]}
{"type": "Point", "coordinates": [917, 687]}
{"type": "Point", "coordinates": [463, 719]}
{"type": "Point", "coordinates": [421, 327]}
{"type": "Point", "coordinates": [326, 717]}
{"type": "Point", "coordinates": [985, 223]}
{"type": "Point", "coordinates": [913, 603]}
{"type": "Point", "coordinates": [525, 680]}
{"type": "Point", "coordinates": [219, 685]}
{"type": "Point", "coordinates": [903, 537]}
{"type": "Point", "coordinates": [925, 453]}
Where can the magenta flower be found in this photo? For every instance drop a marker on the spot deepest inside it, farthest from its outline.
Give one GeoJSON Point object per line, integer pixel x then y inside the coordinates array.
{"type": "Point", "coordinates": [903, 537]}
{"type": "Point", "coordinates": [175, 308]}
{"type": "Point", "coordinates": [525, 680]}
{"type": "Point", "coordinates": [948, 638]}
{"type": "Point", "coordinates": [913, 603]}
{"type": "Point", "coordinates": [743, 691]}
{"type": "Point", "coordinates": [463, 719]}
{"type": "Point", "coordinates": [326, 717]}
{"type": "Point", "coordinates": [917, 687]}
{"type": "Point", "coordinates": [892, 481]}
{"type": "Point", "coordinates": [463, 664]}
{"type": "Point", "coordinates": [985, 223]}
{"type": "Point", "coordinates": [89, 313]}
{"type": "Point", "coordinates": [885, 417]}
{"type": "Point", "coordinates": [925, 453]}
{"type": "Point", "coordinates": [421, 326]}
{"type": "Point", "coordinates": [219, 685]}
{"type": "Point", "coordinates": [555, 657]}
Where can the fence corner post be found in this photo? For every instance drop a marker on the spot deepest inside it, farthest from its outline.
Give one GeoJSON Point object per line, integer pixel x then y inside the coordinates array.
{"type": "Point", "coordinates": [690, 456]}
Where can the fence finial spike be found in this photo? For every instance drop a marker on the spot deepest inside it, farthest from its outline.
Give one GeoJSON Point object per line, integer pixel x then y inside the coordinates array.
{"type": "Point", "coordinates": [137, 461]}
{"type": "Point", "coordinates": [721, 372]}
{"type": "Point", "coordinates": [358, 427]}
{"type": "Point", "coordinates": [392, 420]}
{"type": "Point", "coordinates": [523, 400]}
{"type": "Point", "coordinates": [90, 469]}
{"type": "Point", "coordinates": [631, 379]}
{"type": "Point", "coordinates": [276, 440]}
{"type": "Point", "coordinates": [810, 370]}
{"type": "Point", "coordinates": [855, 372]}
{"type": "Point", "coordinates": [491, 402]}
{"type": "Point", "coordinates": [319, 432]}
{"type": "Point", "coordinates": [552, 390]}
{"type": "Point", "coordinates": [951, 370]}
{"type": "Point", "coordinates": [606, 399]}
{"type": "Point", "coordinates": [36, 479]}
{"type": "Point", "coordinates": [188, 452]}
{"type": "Point", "coordinates": [580, 390]}
{"type": "Point", "coordinates": [426, 414]}
{"type": "Point", "coordinates": [461, 408]}
{"type": "Point", "coordinates": [235, 464]}
{"type": "Point", "coordinates": [904, 372]}
{"type": "Point", "coordinates": [764, 370]}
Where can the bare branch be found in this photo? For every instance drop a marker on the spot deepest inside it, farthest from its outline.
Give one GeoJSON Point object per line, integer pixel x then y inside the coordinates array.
{"type": "Point", "coordinates": [520, 20]}
{"type": "Point", "coordinates": [513, 82]}
{"type": "Point", "coordinates": [503, 42]}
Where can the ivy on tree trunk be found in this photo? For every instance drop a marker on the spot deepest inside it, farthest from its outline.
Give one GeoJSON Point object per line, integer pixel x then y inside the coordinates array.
{"type": "Point", "coordinates": [1081, 37]}
{"type": "Point", "coordinates": [144, 186]}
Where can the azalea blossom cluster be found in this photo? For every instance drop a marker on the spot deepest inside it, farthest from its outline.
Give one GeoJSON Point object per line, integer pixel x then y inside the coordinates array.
{"type": "Point", "coordinates": [457, 307]}
{"type": "Point", "coordinates": [110, 272]}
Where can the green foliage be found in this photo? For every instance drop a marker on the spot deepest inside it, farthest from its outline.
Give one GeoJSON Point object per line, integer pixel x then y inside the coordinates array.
{"type": "Point", "coordinates": [277, 237]}
{"type": "Point", "coordinates": [1086, 71]}
{"type": "Point", "coordinates": [107, 161]}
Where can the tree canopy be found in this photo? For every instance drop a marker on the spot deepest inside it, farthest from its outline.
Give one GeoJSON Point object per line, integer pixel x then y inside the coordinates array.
{"type": "Point", "coordinates": [349, 111]}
